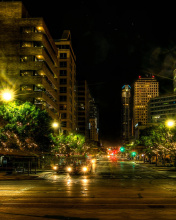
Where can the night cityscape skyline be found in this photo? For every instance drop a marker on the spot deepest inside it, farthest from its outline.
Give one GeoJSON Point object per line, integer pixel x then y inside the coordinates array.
{"type": "Point", "coordinates": [87, 111]}
{"type": "Point", "coordinates": [112, 49]}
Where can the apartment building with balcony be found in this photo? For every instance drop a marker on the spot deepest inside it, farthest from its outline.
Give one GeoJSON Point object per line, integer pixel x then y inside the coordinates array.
{"type": "Point", "coordinates": [67, 83]}
{"type": "Point", "coordinates": [28, 58]}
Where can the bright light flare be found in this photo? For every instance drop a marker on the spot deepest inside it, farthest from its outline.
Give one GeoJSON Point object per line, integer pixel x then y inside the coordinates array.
{"type": "Point", "coordinates": [170, 123]}
{"type": "Point", "coordinates": [84, 169]}
{"type": "Point", "coordinates": [7, 95]}
{"type": "Point", "coordinates": [55, 124]}
{"type": "Point", "coordinates": [69, 169]}
{"type": "Point", "coordinates": [55, 168]}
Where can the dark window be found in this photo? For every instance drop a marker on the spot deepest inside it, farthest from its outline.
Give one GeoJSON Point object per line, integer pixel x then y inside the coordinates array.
{"type": "Point", "coordinates": [63, 89]}
{"type": "Point", "coordinates": [63, 115]}
{"type": "Point", "coordinates": [63, 107]}
{"type": "Point", "coordinates": [63, 72]}
{"type": "Point", "coordinates": [63, 64]}
{"type": "Point", "coordinates": [63, 98]}
{"type": "Point", "coordinates": [63, 46]}
{"type": "Point", "coordinates": [63, 81]}
{"type": "Point", "coordinates": [63, 55]}
{"type": "Point", "coordinates": [63, 124]}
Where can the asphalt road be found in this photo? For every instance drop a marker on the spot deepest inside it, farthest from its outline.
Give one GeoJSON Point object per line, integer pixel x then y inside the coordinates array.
{"type": "Point", "coordinates": [116, 190]}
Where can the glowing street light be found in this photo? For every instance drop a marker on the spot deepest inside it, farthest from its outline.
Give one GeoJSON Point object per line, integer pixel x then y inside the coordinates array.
{"type": "Point", "coordinates": [170, 123]}
{"type": "Point", "coordinates": [55, 125]}
{"type": "Point", "coordinates": [7, 95]}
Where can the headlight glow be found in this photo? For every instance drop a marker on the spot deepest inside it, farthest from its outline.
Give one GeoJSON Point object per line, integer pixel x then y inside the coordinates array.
{"type": "Point", "coordinates": [84, 169]}
{"type": "Point", "coordinates": [69, 169]}
{"type": "Point", "coordinates": [55, 168]}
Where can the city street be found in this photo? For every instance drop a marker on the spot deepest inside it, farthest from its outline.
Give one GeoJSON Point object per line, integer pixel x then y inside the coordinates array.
{"type": "Point", "coordinates": [116, 190]}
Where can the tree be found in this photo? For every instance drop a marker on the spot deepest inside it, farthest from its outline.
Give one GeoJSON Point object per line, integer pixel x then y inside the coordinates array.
{"type": "Point", "coordinates": [159, 141]}
{"type": "Point", "coordinates": [24, 127]}
{"type": "Point", "coordinates": [69, 144]}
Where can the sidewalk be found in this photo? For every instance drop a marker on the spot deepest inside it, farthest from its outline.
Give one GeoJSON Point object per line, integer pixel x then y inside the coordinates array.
{"type": "Point", "coordinates": [153, 166]}
{"type": "Point", "coordinates": [24, 176]}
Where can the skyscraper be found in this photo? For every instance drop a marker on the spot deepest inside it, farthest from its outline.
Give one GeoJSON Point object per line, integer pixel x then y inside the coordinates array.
{"type": "Point", "coordinates": [126, 113]}
{"type": "Point", "coordinates": [83, 107]}
{"type": "Point", "coordinates": [144, 90]}
{"type": "Point", "coordinates": [67, 82]}
{"type": "Point", "coordinates": [93, 120]}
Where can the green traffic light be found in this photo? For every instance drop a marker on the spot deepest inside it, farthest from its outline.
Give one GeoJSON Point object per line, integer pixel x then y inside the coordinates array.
{"type": "Point", "coordinates": [122, 149]}
{"type": "Point", "coordinates": [133, 154]}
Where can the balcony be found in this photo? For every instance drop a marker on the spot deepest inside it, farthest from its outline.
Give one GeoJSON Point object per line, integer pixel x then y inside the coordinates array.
{"type": "Point", "coordinates": [39, 55]}
{"type": "Point", "coordinates": [41, 95]}
{"type": "Point", "coordinates": [37, 80]}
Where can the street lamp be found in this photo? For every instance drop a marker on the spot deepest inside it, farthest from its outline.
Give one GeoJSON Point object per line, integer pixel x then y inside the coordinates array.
{"type": "Point", "coordinates": [55, 125]}
{"type": "Point", "coordinates": [170, 123]}
{"type": "Point", "coordinates": [7, 95]}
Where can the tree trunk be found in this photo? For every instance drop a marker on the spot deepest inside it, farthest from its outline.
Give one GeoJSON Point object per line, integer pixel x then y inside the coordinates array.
{"type": "Point", "coordinates": [156, 160]}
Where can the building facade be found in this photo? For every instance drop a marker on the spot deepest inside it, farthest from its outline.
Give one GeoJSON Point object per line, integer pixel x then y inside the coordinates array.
{"type": "Point", "coordinates": [93, 120]}
{"type": "Point", "coordinates": [28, 58]}
{"type": "Point", "coordinates": [144, 90]}
{"type": "Point", "coordinates": [162, 108]}
{"type": "Point", "coordinates": [83, 107]}
{"type": "Point", "coordinates": [126, 113]}
{"type": "Point", "coordinates": [67, 83]}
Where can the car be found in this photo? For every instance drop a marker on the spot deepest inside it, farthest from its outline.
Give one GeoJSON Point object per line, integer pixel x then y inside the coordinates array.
{"type": "Point", "coordinates": [73, 168]}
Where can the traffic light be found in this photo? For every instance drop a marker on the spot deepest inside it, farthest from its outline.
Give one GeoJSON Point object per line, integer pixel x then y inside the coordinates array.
{"type": "Point", "coordinates": [133, 154]}
{"type": "Point", "coordinates": [122, 149]}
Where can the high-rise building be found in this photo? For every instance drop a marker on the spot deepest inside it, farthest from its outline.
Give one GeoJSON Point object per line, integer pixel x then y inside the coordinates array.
{"type": "Point", "coordinates": [28, 57]}
{"type": "Point", "coordinates": [93, 120]}
{"type": "Point", "coordinates": [93, 129]}
{"type": "Point", "coordinates": [126, 113]}
{"type": "Point", "coordinates": [144, 90]}
{"type": "Point", "coordinates": [67, 82]}
{"type": "Point", "coordinates": [83, 106]}
{"type": "Point", "coordinates": [162, 108]}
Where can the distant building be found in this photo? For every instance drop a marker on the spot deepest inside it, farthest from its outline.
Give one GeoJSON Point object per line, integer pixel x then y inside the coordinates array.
{"type": "Point", "coordinates": [83, 107]}
{"type": "Point", "coordinates": [162, 108]}
{"type": "Point", "coordinates": [144, 90]}
{"type": "Point", "coordinates": [126, 113]}
{"type": "Point", "coordinates": [67, 82]}
{"type": "Point", "coordinates": [28, 57]}
{"type": "Point", "coordinates": [93, 120]}
{"type": "Point", "coordinates": [94, 135]}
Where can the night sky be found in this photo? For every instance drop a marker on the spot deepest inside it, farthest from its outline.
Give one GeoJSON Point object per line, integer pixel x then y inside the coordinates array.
{"type": "Point", "coordinates": [113, 47]}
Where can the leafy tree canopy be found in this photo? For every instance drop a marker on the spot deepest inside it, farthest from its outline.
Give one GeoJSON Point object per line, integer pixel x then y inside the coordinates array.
{"type": "Point", "coordinates": [24, 126]}
{"type": "Point", "coordinates": [69, 144]}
